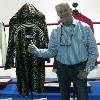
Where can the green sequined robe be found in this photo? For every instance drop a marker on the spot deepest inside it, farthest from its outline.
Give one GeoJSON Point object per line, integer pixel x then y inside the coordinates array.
{"type": "Point", "coordinates": [30, 70]}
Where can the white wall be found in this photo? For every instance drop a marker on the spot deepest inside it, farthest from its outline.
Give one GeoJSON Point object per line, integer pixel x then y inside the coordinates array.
{"type": "Point", "coordinates": [8, 8]}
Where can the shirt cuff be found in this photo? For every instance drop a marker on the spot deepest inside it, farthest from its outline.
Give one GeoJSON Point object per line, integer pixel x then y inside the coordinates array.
{"type": "Point", "coordinates": [34, 52]}
{"type": "Point", "coordinates": [88, 68]}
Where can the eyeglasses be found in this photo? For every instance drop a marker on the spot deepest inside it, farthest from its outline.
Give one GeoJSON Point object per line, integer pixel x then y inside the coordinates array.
{"type": "Point", "coordinates": [63, 40]}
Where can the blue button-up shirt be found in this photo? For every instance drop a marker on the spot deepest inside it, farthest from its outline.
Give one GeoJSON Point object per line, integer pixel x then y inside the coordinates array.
{"type": "Point", "coordinates": [71, 45]}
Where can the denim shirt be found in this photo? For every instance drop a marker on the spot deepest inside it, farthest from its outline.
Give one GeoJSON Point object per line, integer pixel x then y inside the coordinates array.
{"type": "Point", "coordinates": [71, 45]}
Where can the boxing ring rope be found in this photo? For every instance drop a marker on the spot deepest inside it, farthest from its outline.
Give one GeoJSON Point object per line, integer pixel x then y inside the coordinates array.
{"type": "Point", "coordinates": [51, 24]}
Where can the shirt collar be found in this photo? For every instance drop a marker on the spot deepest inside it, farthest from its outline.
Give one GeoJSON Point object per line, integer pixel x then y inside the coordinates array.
{"type": "Point", "coordinates": [74, 22]}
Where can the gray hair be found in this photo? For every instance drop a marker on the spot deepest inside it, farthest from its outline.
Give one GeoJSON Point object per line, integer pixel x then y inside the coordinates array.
{"type": "Point", "coordinates": [62, 5]}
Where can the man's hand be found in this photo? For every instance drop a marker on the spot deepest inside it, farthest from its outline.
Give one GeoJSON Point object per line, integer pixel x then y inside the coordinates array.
{"type": "Point", "coordinates": [31, 47]}
{"type": "Point", "coordinates": [82, 74]}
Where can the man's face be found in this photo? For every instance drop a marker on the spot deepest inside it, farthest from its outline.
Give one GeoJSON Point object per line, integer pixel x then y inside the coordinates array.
{"type": "Point", "coordinates": [64, 13]}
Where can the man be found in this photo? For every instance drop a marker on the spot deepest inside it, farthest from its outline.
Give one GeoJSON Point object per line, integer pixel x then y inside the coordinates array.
{"type": "Point", "coordinates": [73, 45]}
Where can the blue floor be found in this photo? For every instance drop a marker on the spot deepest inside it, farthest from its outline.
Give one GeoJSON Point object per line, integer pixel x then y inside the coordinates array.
{"type": "Point", "coordinates": [10, 91]}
